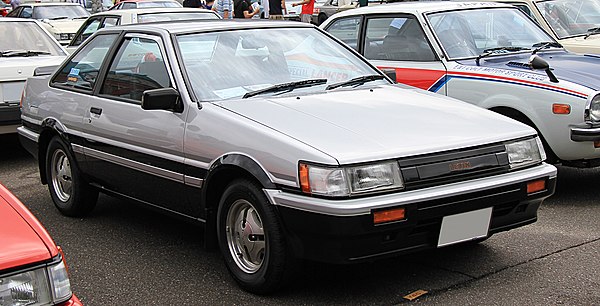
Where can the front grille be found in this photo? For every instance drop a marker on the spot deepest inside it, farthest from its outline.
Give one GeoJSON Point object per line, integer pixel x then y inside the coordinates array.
{"type": "Point", "coordinates": [453, 166]}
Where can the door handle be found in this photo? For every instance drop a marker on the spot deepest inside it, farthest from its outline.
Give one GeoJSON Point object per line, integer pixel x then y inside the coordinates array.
{"type": "Point", "coordinates": [96, 111]}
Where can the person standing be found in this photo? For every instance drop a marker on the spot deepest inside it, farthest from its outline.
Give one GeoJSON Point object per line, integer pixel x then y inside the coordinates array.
{"type": "Point", "coordinates": [192, 3]}
{"type": "Point", "coordinates": [224, 8]}
{"type": "Point", "coordinates": [307, 10]}
{"type": "Point", "coordinates": [276, 9]}
{"type": "Point", "coordinates": [13, 3]}
{"type": "Point", "coordinates": [244, 9]}
{"type": "Point", "coordinates": [265, 5]}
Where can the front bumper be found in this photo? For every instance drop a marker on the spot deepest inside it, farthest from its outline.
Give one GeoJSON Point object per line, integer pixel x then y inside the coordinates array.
{"type": "Point", "coordinates": [10, 118]}
{"type": "Point", "coordinates": [585, 132]}
{"type": "Point", "coordinates": [343, 231]}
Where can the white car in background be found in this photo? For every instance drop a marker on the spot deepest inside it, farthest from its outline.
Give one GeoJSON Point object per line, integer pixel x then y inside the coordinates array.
{"type": "Point", "coordinates": [118, 17]}
{"type": "Point", "coordinates": [27, 47]}
{"type": "Point", "coordinates": [574, 23]}
{"type": "Point", "coordinates": [61, 19]}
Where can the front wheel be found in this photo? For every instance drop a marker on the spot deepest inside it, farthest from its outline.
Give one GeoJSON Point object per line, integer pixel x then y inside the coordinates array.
{"type": "Point", "coordinates": [251, 239]}
{"type": "Point", "coordinates": [70, 193]}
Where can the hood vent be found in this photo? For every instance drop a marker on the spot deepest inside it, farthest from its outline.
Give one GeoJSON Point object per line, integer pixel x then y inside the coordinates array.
{"type": "Point", "coordinates": [519, 65]}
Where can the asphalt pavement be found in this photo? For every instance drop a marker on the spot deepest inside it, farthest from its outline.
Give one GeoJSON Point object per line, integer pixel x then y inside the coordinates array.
{"type": "Point", "coordinates": [124, 254]}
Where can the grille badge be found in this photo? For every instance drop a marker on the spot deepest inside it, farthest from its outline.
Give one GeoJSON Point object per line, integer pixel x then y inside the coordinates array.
{"type": "Point", "coordinates": [459, 166]}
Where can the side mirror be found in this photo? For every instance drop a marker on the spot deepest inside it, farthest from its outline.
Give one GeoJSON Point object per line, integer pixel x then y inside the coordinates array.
{"type": "Point", "coordinates": [390, 73]}
{"type": "Point", "coordinates": [162, 98]}
{"type": "Point", "coordinates": [538, 63]}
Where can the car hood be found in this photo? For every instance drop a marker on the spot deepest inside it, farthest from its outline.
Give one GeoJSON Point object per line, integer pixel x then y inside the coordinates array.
{"type": "Point", "coordinates": [567, 66]}
{"type": "Point", "coordinates": [21, 244]}
{"type": "Point", "coordinates": [379, 123]}
{"type": "Point", "coordinates": [63, 25]}
{"type": "Point", "coordinates": [20, 68]}
{"type": "Point", "coordinates": [580, 44]}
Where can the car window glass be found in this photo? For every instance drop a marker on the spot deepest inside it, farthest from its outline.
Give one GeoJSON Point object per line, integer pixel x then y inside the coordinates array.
{"type": "Point", "coordinates": [396, 39]}
{"type": "Point", "coordinates": [111, 22]}
{"type": "Point", "coordinates": [56, 12]}
{"type": "Point", "coordinates": [81, 71]}
{"type": "Point", "coordinates": [524, 8]}
{"type": "Point", "coordinates": [346, 30]}
{"type": "Point", "coordinates": [27, 12]}
{"type": "Point", "coordinates": [90, 28]}
{"type": "Point", "coordinates": [137, 67]}
{"type": "Point", "coordinates": [27, 36]}
{"type": "Point", "coordinates": [128, 5]}
{"type": "Point", "coordinates": [169, 16]}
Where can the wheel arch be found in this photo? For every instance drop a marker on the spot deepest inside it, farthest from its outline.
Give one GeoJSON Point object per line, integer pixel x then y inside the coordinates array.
{"type": "Point", "coordinates": [50, 128]}
{"type": "Point", "coordinates": [221, 172]}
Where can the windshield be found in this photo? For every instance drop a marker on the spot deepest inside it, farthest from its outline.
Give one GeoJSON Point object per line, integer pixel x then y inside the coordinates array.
{"type": "Point", "coordinates": [143, 18]}
{"type": "Point", "coordinates": [27, 36]}
{"type": "Point", "coordinates": [60, 12]}
{"type": "Point", "coordinates": [149, 4]}
{"type": "Point", "coordinates": [468, 33]}
{"type": "Point", "coordinates": [224, 65]}
{"type": "Point", "coordinates": [571, 17]}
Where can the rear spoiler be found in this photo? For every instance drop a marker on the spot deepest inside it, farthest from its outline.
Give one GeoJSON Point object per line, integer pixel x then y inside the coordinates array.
{"type": "Point", "coordinates": [46, 70]}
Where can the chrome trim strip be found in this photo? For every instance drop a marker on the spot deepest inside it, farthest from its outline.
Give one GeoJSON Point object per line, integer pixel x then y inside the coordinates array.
{"type": "Point", "coordinates": [363, 206]}
{"type": "Point", "coordinates": [30, 119]}
{"type": "Point", "coordinates": [77, 148]}
{"type": "Point", "coordinates": [27, 133]}
{"type": "Point", "coordinates": [196, 163]}
{"type": "Point", "coordinates": [167, 174]}
{"type": "Point", "coordinates": [586, 131]}
{"type": "Point", "coordinates": [193, 181]}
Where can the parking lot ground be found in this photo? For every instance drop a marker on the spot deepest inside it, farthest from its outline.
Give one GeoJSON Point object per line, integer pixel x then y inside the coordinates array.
{"type": "Point", "coordinates": [122, 254]}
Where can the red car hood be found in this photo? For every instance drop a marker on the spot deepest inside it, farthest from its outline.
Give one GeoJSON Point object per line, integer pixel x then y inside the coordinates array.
{"type": "Point", "coordinates": [23, 239]}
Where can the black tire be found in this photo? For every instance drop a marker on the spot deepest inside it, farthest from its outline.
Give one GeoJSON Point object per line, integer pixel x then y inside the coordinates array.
{"type": "Point", "coordinates": [70, 193]}
{"type": "Point", "coordinates": [321, 19]}
{"type": "Point", "coordinates": [258, 259]}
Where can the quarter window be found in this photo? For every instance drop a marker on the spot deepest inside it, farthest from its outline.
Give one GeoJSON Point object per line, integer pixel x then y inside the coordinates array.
{"type": "Point", "coordinates": [82, 70]}
{"type": "Point", "coordinates": [346, 29]}
{"type": "Point", "coordinates": [396, 39]}
{"type": "Point", "coordinates": [138, 66]}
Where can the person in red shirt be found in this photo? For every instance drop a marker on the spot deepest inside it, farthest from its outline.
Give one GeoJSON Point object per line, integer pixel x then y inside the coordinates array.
{"type": "Point", "coordinates": [307, 9]}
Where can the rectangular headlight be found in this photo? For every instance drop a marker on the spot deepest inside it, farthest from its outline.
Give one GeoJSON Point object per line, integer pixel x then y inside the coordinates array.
{"type": "Point", "coordinates": [525, 152]}
{"type": "Point", "coordinates": [42, 286]}
{"type": "Point", "coordinates": [339, 182]}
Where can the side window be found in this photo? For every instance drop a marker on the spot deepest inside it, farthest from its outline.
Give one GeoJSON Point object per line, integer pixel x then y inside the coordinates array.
{"type": "Point", "coordinates": [346, 29]}
{"type": "Point", "coordinates": [128, 5]}
{"type": "Point", "coordinates": [111, 22]}
{"type": "Point", "coordinates": [27, 12]}
{"type": "Point", "coordinates": [90, 28]}
{"type": "Point", "coordinates": [137, 67]}
{"type": "Point", "coordinates": [396, 39]}
{"type": "Point", "coordinates": [81, 71]}
{"type": "Point", "coordinates": [525, 9]}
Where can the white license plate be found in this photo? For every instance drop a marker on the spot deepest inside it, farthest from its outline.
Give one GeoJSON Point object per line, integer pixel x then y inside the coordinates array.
{"type": "Point", "coordinates": [464, 227]}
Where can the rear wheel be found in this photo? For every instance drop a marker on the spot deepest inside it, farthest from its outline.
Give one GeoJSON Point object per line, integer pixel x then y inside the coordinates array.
{"type": "Point", "coordinates": [321, 19]}
{"type": "Point", "coordinates": [251, 239]}
{"type": "Point", "coordinates": [71, 195]}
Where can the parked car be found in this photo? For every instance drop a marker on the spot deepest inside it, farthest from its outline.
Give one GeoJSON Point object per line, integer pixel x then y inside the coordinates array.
{"type": "Point", "coordinates": [256, 132]}
{"type": "Point", "coordinates": [574, 23]}
{"type": "Point", "coordinates": [4, 8]}
{"type": "Point", "coordinates": [118, 17]}
{"type": "Point", "coordinates": [325, 8]}
{"type": "Point", "coordinates": [61, 19]}
{"type": "Point", "coordinates": [32, 267]}
{"type": "Point", "coordinates": [491, 55]}
{"type": "Point", "coordinates": [137, 4]}
{"type": "Point", "coordinates": [24, 46]}
{"type": "Point", "coordinates": [106, 5]}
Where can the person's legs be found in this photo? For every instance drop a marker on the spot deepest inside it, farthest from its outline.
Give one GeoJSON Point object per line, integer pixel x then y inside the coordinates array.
{"type": "Point", "coordinates": [305, 18]}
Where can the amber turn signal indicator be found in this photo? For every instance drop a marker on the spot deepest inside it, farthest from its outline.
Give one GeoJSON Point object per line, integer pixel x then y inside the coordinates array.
{"type": "Point", "coordinates": [536, 186]}
{"type": "Point", "coordinates": [597, 144]}
{"type": "Point", "coordinates": [304, 182]}
{"type": "Point", "coordinates": [561, 109]}
{"type": "Point", "coordinates": [388, 215]}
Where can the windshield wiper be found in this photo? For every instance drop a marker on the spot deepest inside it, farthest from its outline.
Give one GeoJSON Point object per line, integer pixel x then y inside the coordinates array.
{"type": "Point", "coordinates": [58, 18]}
{"type": "Point", "coordinates": [490, 51]}
{"type": "Point", "coordinates": [591, 31]}
{"type": "Point", "coordinates": [285, 87]}
{"type": "Point", "coordinates": [543, 45]}
{"type": "Point", "coordinates": [357, 81]}
{"type": "Point", "coordinates": [11, 53]}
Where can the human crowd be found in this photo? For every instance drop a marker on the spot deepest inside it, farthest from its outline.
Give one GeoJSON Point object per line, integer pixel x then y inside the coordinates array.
{"type": "Point", "coordinates": [272, 9]}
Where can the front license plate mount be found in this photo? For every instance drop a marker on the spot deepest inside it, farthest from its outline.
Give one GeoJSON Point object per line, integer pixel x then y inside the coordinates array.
{"type": "Point", "coordinates": [464, 227]}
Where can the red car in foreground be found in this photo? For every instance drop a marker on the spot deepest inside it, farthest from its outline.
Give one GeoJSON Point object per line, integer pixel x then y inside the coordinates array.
{"type": "Point", "coordinates": [32, 267]}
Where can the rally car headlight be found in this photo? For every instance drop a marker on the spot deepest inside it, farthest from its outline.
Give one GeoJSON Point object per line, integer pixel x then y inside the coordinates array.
{"type": "Point", "coordinates": [346, 181]}
{"type": "Point", "coordinates": [525, 152]}
{"type": "Point", "coordinates": [593, 109]}
{"type": "Point", "coordinates": [42, 286]}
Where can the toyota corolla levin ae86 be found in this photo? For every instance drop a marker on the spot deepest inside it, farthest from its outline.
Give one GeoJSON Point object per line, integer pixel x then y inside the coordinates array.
{"type": "Point", "coordinates": [283, 142]}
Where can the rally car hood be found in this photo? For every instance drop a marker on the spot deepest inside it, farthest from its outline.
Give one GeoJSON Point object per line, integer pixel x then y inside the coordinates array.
{"type": "Point", "coordinates": [581, 44]}
{"type": "Point", "coordinates": [576, 68]}
{"type": "Point", "coordinates": [385, 122]}
{"type": "Point", "coordinates": [20, 68]}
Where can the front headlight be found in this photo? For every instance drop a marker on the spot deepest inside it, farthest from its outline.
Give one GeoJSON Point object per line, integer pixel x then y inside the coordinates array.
{"type": "Point", "coordinates": [525, 152]}
{"type": "Point", "coordinates": [592, 111]}
{"type": "Point", "coordinates": [64, 36]}
{"type": "Point", "coordinates": [339, 182]}
{"type": "Point", "coordinates": [42, 286]}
